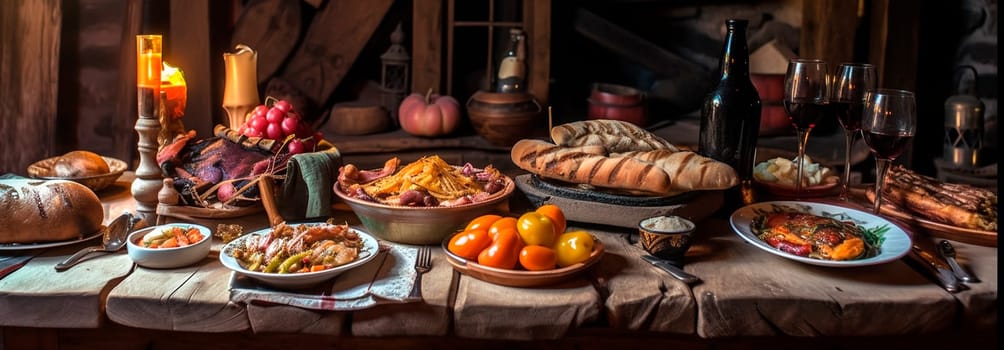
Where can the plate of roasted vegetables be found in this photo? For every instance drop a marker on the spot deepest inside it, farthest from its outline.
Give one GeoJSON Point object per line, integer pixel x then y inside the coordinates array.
{"type": "Point", "coordinates": [821, 234]}
{"type": "Point", "coordinates": [298, 255]}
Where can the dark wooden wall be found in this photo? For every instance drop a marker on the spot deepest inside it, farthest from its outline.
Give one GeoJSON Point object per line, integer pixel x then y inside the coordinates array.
{"type": "Point", "coordinates": [67, 80]}
{"type": "Point", "coordinates": [29, 81]}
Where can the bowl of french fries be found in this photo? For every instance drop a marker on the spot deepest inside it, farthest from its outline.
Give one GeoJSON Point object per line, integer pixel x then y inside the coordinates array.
{"type": "Point", "coordinates": [425, 201]}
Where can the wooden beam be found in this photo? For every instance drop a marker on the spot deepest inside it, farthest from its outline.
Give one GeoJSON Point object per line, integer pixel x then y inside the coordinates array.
{"type": "Point", "coordinates": [336, 36]}
{"type": "Point", "coordinates": [426, 45]}
{"type": "Point", "coordinates": [895, 43]}
{"type": "Point", "coordinates": [538, 15]}
{"type": "Point", "coordinates": [187, 46]}
{"type": "Point", "coordinates": [633, 47]}
{"type": "Point", "coordinates": [828, 30]}
{"type": "Point", "coordinates": [29, 81]}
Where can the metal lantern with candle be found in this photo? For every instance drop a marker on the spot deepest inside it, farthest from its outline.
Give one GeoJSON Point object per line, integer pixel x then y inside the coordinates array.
{"type": "Point", "coordinates": [964, 126]}
{"type": "Point", "coordinates": [394, 73]}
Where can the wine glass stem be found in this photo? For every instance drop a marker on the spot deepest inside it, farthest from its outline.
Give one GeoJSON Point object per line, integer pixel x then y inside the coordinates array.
{"type": "Point", "coordinates": [803, 138]}
{"type": "Point", "coordinates": [881, 166]}
{"type": "Point", "coordinates": [849, 141]}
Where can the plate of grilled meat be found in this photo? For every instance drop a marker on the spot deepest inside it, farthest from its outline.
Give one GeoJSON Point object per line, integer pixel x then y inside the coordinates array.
{"type": "Point", "coordinates": [954, 211]}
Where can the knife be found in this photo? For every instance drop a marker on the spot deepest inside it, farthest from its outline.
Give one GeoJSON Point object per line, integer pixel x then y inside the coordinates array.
{"type": "Point", "coordinates": [672, 269]}
{"type": "Point", "coordinates": [937, 268]}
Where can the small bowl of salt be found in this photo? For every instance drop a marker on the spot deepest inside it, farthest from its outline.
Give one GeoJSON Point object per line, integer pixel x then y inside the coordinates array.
{"type": "Point", "coordinates": [666, 237]}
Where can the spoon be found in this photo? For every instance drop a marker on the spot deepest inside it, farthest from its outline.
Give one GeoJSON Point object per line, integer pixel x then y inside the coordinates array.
{"type": "Point", "coordinates": [112, 239]}
{"type": "Point", "coordinates": [948, 252]}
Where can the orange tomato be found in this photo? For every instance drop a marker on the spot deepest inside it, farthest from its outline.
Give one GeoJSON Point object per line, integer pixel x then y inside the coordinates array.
{"type": "Point", "coordinates": [500, 224]}
{"type": "Point", "coordinates": [469, 243]}
{"type": "Point", "coordinates": [504, 251]}
{"type": "Point", "coordinates": [483, 221]}
{"type": "Point", "coordinates": [537, 258]}
{"type": "Point", "coordinates": [557, 217]}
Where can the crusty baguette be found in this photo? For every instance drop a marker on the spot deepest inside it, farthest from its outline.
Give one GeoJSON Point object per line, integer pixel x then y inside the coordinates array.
{"type": "Point", "coordinates": [617, 136]}
{"type": "Point", "coordinates": [687, 170]}
{"type": "Point", "coordinates": [589, 165]}
{"type": "Point", "coordinates": [44, 211]}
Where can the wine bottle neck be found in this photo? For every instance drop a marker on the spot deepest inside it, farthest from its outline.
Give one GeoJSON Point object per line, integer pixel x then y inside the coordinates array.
{"type": "Point", "coordinates": [735, 54]}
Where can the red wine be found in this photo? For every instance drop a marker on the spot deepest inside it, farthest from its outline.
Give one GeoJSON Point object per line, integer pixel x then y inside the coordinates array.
{"type": "Point", "coordinates": [848, 113]}
{"type": "Point", "coordinates": [804, 114]}
{"type": "Point", "coordinates": [887, 146]}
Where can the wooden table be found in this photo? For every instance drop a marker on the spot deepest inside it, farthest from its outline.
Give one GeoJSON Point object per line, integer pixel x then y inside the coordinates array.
{"type": "Point", "coordinates": [748, 299]}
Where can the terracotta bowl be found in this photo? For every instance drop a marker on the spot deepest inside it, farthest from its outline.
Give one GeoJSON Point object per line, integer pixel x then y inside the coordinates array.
{"type": "Point", "coordinates": [357, 118]}
{"type": "Point", "coordinates": [521, 278]}
{"type": "Point", "coordinates": [504, 118]}
{"type": "Point", "coordinates": [613, 94]}
{"type": "Point", "coordinates": [617, 102]}
{"type": "Point", "coordinates": [420, 225]}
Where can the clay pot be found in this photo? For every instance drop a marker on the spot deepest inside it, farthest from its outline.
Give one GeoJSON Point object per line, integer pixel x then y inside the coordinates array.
{"type": "Point", "coordinates": [611, 101]}
{"type": "Point", "coordinates": [504, 118]}
{"type": "Point", "coordinates": [358, 118]}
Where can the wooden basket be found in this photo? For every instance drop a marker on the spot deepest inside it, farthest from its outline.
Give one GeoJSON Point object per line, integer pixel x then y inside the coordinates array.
{"type": "Point", "coordinates": [250, 217]}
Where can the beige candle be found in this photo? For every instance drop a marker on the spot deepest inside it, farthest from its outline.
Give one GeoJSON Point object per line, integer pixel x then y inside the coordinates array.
{"type": "Point", "coordinates": [240, 94]}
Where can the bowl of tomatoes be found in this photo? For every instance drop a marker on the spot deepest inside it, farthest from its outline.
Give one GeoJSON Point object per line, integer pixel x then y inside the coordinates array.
{"type": "Point", "coordinates": [531, 250]}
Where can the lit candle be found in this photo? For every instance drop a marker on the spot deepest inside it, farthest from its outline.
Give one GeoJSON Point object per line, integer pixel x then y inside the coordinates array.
{"type": "Point", "coordinates": [148, 60]}
{"type": "Point", "coordinates": [172, 82]}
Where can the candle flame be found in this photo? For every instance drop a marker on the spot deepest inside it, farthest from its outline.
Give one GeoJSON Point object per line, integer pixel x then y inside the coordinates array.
{"type": "Point", "coordinates": [171, 75]}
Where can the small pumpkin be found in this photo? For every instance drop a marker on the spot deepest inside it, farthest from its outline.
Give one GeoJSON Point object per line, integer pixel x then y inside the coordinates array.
{"type": "Point", "coordinates": [429, 115]}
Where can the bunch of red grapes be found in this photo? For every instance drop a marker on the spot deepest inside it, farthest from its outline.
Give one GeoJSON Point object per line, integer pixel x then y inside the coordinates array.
{"type": "Point", "coordinates": [277, 123]}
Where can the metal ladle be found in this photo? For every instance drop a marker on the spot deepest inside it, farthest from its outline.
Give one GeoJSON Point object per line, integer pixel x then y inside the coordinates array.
{"type": "Point", "coordinates": [113, 238]}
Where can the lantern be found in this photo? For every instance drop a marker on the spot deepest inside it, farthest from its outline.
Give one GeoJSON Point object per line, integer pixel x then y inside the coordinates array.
{"type": "Point", "coordinates": [394, 73]}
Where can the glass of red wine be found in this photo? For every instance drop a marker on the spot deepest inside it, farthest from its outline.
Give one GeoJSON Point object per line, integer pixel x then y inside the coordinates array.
{"type": "Point", "coordinates": [805, 102]}
{"type": "Point", "coordinates": [888, 124]}
{"type": "Point", "coordinates": [847, 100]}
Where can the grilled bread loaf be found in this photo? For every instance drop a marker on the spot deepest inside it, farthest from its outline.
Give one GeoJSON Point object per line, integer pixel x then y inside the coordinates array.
{"type": "Point", "coordinates": [589, 165]}
{"type": "Point", "coordinates": [687, 170]}
{"type": "Point", "coordinates": [615, 135]}
{"type": "Point", "coordinates": [43, 211]}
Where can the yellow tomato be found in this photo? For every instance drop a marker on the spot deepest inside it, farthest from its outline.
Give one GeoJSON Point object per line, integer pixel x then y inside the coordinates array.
{"type": "Point", "coordinates": [573, 247]}
{"type": "Point", "coordinates": [557, 217]}
{"type": "Point", "coordinates": [536, 229]}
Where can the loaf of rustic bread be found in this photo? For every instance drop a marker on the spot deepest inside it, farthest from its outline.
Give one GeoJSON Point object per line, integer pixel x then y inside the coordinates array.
{"type": "Point", "coordinates": [590, 165]}
{"type": "Point", "coordinates": [687, 170]}
{"type": "Point", "coordinates": [79, 164]}
{"type": "Point", "coordinates": [47, 210]}
{"type": "Point", "coordinates": [614, 135]}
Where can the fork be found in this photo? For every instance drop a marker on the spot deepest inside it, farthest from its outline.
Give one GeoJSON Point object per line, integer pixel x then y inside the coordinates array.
{"type": "Point", "coordinates": [423, 263]}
